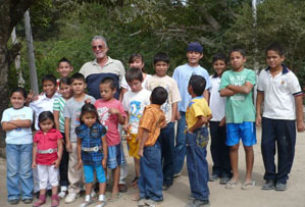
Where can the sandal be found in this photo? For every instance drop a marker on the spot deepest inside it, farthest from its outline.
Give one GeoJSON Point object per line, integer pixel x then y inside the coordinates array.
{"type": "Point", "coordinates": [41, 201]}
{"type": "Point", "coordinates": [55, 201]}
{"type": "Point", "coordinates": [231, 184]}
{"type": "Point", "coordinates": [115, 197]}
{"type": "Point", "coordinates": [134, 182]}
{"type": "Point", "coordinates": [248, 185]}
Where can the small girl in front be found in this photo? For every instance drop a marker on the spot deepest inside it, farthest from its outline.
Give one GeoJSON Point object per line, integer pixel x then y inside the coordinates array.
{"type": "Point", "coordinates": [47, 153]}
{"type": "Point", "coordinates": [16, 122]}
{"type": "Point", "coordinates": [92, 152]}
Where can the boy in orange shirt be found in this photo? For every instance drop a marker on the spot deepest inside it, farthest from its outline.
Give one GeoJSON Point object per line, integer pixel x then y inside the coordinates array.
{"type": "Point", "coordinates": [151, 178]}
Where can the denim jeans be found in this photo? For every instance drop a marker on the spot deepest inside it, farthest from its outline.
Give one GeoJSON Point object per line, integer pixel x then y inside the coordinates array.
{"type": "Point", "coordinates": [150, 181]}
{"type": "Point", "coordinates": [197, 164]}
{"type": "Point", "coordinates": [180, 144]}
{"type": "Point", "coordinates": [166, 140]}
{"type": "Point", "coordinates": [63, 168]}
{"type": "Point", "coordinates": [282, 132]}
{"type": "Point", "coordinates": [219, 150]}
{"type": "Point", "coordinates": [19, 171]}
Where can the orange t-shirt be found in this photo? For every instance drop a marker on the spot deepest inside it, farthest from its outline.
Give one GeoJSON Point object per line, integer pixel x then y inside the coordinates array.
{"type": "Point", "coordinates": [153, 119]}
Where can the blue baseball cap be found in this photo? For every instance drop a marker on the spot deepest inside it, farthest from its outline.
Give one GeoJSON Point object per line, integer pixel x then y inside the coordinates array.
{"type": "Point", "coordinates": [194, 47]}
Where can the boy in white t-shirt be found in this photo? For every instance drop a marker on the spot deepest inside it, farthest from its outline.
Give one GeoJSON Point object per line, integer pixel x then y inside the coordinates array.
{"type": "Point", "coordinates": [280, 92]}
{"type": "Point", "coordinates": [134, 102]}
{"type": "Point", "coordinates": [166, 137]}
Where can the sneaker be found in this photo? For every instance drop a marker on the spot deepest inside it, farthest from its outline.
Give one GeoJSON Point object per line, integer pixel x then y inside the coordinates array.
{"type": "Point", "coordinates": [224, 180]}
{"type": "Point", "coordinates": [166, 187]}
{"type": "Point", "coordinates": [177, 175]}
{"type": "Point", "coordinates": [86, 203]}
{"type": "Point", "coordinates": [269, 185]}
{"type": "Point", "coordinates": [280, 187]}
{"type": "Point", "coordinates": [27, 200]}
{"type": "Point", "coordinates": [198, 203]}
{"type": "Point", "coordinates": [101, 204]}
{"type": "Point", "coordinates": [63, 192]}
{"type": "Point", "coordinates": [13, 201]}
{"type": "Point", "coordinates": [213, 177]}
{"type": "Point", "coordinates": [71, 197]}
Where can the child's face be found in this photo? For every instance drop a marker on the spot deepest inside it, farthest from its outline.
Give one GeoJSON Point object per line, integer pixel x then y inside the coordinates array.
{"type": "Point", "coordinates": [193, 58]}
{"type": "Point", "coordinates": [219, 66]}
{"type": "Point", "coordinates": [161, 68]}
{"type": "Point", "coordinates": [65, 90]}
{"type": "Point", "coordinates": [137, 63]}
{"type": "Point", "coordinates": [135, 85]}
{"type": "Point", "coordinates": [106, 91]}
{"type": "Point", "coordinates": [64, 69]}
{"type": "Point", "coordinates": [274, 59]}
{"type": "Point", "coordinates": [78, 87]}
{"type": "Point", "coordinates": [49, 88]}
{"type": "Point", "coordinates": [17, 100]}
{"type": "Point", "coordinates": [237, 60]}
{"type": "Point", "coordinates": [46, 125]}
{"type": "Point", "coordinates": [99, 49]}
{"type": "Point", "coordinates": [89, 119]}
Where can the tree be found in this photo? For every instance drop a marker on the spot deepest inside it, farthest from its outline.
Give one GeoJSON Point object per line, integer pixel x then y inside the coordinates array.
{"type": "Point", "coordinates": [11, 12]}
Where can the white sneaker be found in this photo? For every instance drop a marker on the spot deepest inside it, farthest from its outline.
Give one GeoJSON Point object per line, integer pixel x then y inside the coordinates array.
{"type": "Point", "coordinates": [62, 194]}
{"type": "Point", "coordinates": [71, 197]}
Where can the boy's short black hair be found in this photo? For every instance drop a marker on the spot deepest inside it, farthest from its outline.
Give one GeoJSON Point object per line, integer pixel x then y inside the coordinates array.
{"type": "Point", "coordinates": [161, 56]}
{"type": "Point", "coordinates": [78, 76]}
{"type": "Point", "coordinates": [64, 60]}
{"type": "Point", "coordinates": [158, 95]}
{"type": "Point", "coordinates": [220, 56]}
{"type": "Point", "coordinates": [134, 57]}
{"type": "Point", "coordinates": [275, 46]}
{"type": "Point", "coordinates": [239, 49]}
{"type": "Point", "coordinates": [197, 83]}
{"type": "Point", "coordinates": [49, 77]}
{"type": "Point", "coordinates": [109, 81]}
{"type": "Point", "coordinates": [134, 74]}
{"type": "Point", "coordinates": [65, 80]}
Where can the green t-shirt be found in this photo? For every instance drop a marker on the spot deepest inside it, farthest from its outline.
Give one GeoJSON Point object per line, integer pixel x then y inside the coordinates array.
{"type": "Point", "coordinates": [239, 107]}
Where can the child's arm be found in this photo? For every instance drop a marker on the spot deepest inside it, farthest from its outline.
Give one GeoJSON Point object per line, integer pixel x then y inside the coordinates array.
{"type": "Point", "coordinates": [105, 151]}
{"type": "Point", "coordinates": [14, 124]}
{"type": "Point", "coordinates": [79, 154]}
{"type": "Point", "coordinates": [259, 100]}
{"type": "Point", "coordinates": [226, 92]}
{"type": "Point", "coordinates": [67, 135]}
{"type": "Point", "coordinates": [56, 118]}
{"type": "Point", "coordinates": [174, 111]}
{"type": "Point", "coordinates": [244, 89]}
{"type": "Point", "coordinates": [299, 113]}
{"type": "Point", "coordinates": [34, 155]}
{"type": "Point", "coordinates": [117, 112]}
{"type": "Point", "coordinates": [200, 121]}
{"type": "Point", "coordinates": [59, 152]}
{"type": "Point", "coordinates": [142, 141]}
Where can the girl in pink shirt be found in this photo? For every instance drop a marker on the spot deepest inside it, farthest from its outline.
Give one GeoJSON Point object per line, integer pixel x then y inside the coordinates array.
{"type": "Point", "coordinates": [47, 153]}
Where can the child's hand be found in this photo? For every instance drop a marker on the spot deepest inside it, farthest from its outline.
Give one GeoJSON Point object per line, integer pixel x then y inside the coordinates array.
{"type": "Point", "coordinates": [222, 122]}
{"type": "Point", "coordinates": [104, 162]}
{"type": "Point", "coordinates": [300, 126]}
{"type": "Point", "coordinates": [56, 163]}
{"type": "Point", "coordinates": [34, 165]}
{"type": "Point", "coordinates": [69, 147]}
{"type": "Point", "coordinates": [140, 153]}
{"type": "Point", "coordinates": [88, 100]}
{"type": "Point", "coordinates": [79, 164]}
{"type": "Point", "coordinates": [113, 111]}
{"type": "Point", "coordinates": [258, 120]}
{"type": "Point", "coordinates": [126, 127]}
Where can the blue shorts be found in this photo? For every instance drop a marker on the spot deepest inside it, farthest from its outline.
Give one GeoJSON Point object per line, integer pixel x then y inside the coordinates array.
{"type": "Point", "coordinates": [114, 156]}
{"type": "Point", "coordinates": [245, 131]}
{"type": "Point", "coordinates": [89, 173]}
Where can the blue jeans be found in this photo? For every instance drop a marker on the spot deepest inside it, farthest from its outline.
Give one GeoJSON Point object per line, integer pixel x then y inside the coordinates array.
{"type": "Point", "coordinates": [197, 164]}
{"type": "Point", "coordinates": [180, 148]}
{"type": "Point", "coordinates": [282, 133]}
{"type": "Point", "coordinates": [19, 171]}
{"type": "Point", "coordinates": [166, 140]}
{"type": "Point", "coordinates": [151, 178]}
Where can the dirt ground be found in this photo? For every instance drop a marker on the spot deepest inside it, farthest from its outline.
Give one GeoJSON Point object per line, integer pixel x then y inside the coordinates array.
{"type": "Point", "coordinates": [177, 195]}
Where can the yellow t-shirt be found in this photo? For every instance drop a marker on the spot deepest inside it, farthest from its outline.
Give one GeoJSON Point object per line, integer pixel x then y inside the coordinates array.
{"type": "Point", "coordinates": [198, 106]}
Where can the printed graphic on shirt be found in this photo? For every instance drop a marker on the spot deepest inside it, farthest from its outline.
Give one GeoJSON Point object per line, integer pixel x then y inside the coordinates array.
{"type": "Point", "coordinates": [18, 117]}
{"type": "Point", "coordinates": [103, 115]}
{"type": "Point", "coordinates": [238, 81]}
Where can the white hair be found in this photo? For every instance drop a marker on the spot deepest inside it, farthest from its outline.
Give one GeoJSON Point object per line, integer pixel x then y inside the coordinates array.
{"type": "Point", "coordinates": [99, 37]}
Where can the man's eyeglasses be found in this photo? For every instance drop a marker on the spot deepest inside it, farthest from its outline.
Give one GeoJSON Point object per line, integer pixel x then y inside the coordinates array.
{"type": "Point", "coordinates": [97, 47]}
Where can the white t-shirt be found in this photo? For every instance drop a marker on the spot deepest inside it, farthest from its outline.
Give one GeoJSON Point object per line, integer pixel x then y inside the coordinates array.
{"type": "Point", "coordinates": [172, 89]}
{"type": "Point", "coordinates": [126, 86]}
{"type": "Point", "coordinates": [134, 103]}
{"type": "Point", "coordinates": [279, 92]}
{"type": "Point", "coordinates": [217, 103]}
{"type": "Point", "coordinates": [19, 135]}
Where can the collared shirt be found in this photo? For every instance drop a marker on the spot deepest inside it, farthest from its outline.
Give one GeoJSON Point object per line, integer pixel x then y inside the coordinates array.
{"type": "Point", "coordinates": [47, 141]}
{"type": "Point", "coordinates": [198, 106]}
{"type": "Point", "coordinates": [153, 120]}
{"type": "Point", "coordinates": [94, 73]}
{"type": "Point", "coordinates": [182, 75]}
{"type": "Point", "coordinates": [279, 93]}
{"type": "Point", "coordinates": [43, 103]}
{"type": "Point", "coordinates": [91, 137]}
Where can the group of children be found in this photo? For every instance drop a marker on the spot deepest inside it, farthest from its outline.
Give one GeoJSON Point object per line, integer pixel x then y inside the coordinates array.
{"type": "Point", "coordinates": [77, 136]}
